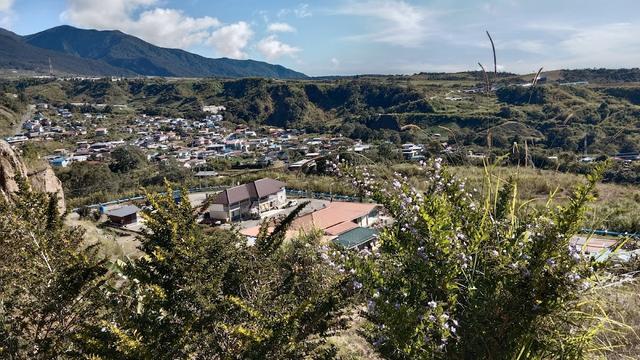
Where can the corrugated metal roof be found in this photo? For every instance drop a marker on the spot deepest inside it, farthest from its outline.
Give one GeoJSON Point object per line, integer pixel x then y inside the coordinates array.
{"type": "Point", "coordinates": [356, 237]}
{"type": "Point", "coordinates": [124, 211]}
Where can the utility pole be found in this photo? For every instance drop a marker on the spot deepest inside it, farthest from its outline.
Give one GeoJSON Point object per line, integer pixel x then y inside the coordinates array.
{"type": "Point", "coordinates": [50, 67]}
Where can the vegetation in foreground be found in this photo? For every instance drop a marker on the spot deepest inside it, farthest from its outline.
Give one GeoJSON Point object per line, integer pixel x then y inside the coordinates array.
{"type": "Point", "coordinates": [448, 269]}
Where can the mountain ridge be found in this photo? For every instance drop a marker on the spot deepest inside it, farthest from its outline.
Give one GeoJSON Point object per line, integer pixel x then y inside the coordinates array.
{"type": "Point", "coordinates": [113, 52]}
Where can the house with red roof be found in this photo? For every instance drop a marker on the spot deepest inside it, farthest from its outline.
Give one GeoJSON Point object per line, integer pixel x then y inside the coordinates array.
{"type": "Point", "coordinates": [346, 223]}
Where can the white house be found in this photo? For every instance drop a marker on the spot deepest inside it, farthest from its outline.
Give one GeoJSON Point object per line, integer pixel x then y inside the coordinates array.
{"type": "Point", "coordinates": [242, 201]}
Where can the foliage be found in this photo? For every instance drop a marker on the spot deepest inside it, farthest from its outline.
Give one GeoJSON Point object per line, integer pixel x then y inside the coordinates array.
{"type": "Point", "coordinates": [211, 295]}
{"type": "Point", "coordinates": [455, 278]}
{"type": "Point", "coordinates": [518, 95]}
{"type": "Point", "coordinates": [127, 158]}
{"type": "Point", "coordinates": [48, 280]}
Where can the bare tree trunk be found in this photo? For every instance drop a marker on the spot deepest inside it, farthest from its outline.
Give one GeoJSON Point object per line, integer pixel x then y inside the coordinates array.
{"type": "Point", "coordinates": [486, 79]}
{"type": "Point", "coordinates": [495, 61]}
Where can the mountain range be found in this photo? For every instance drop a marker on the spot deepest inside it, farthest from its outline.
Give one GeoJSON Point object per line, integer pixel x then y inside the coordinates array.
{"type": "Point", "coordinates": [73, 51]}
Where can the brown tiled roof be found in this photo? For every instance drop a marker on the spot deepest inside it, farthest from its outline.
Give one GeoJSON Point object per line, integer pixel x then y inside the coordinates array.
{"type": "Point", "coordinates": [341, 228]}
{"type": "Point", "coordinates": [335, 219]}
{"type": "Point", "coordinates": [335, 213]}
{"type": "Point", "coordinates": [265, 187]}
{"type": "Point", "coordinates": [251, 191]}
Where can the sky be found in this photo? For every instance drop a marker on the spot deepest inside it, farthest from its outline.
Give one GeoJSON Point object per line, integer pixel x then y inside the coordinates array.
{"type": "Point", "coordinates": [345, 37]}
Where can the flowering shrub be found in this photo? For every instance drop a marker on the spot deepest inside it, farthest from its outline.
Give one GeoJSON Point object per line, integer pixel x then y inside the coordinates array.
{"type": "Point", "coordinates": [456, 277]}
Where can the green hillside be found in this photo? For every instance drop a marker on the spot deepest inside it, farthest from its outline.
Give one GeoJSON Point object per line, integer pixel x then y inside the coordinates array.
{"type": "Point", "coordinates": [550, 116]}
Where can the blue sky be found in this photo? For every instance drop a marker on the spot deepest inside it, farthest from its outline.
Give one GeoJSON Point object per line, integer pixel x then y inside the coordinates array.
{"type": "Point", "coordinates": [363, 36]}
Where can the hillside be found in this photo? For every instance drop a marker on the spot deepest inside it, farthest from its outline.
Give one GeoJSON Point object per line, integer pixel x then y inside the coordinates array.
{"type": "Point", "coordinates": [551, 117]}
{"type": "Point", "coordinates": [128, 52]}
{"type": "Point", "coordinates": [15, 53]}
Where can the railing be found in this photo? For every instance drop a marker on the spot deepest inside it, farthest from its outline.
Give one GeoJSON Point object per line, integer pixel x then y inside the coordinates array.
{"type": "Point", "coordinates": [321, 196]}
{"type": "Point", "coordinates": [142, 197]}
{"type": "Point", "coordinates": [609, 233]}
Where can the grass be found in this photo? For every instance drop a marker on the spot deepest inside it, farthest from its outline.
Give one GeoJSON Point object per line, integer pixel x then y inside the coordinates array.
{"type": "Point", "coordinates": [112, 244]}
{"type": "Point", "coordinates": [350, 343]}
{"type": "Point", "coordinates": [621, 303]}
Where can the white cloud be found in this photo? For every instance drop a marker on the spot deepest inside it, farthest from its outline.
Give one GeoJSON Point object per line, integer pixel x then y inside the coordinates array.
{"type": "Point", "coordinates": [5, 5]}
{"type": "Point", "coordinates": [335, 63]}
{"type": "Point", "coordinates": [231, 40]}
{"type": "Point", "coordinates": [529, 46]}
{"type": "Point", "coordinates": [608, 45]}
{"type": "Point", "coordinates": [272, 48]}
{"type": "Point", "coordinates": [301, 11]}
{"type": "Point", "coordinates": [160, 26]}
{"type": "Point", "coordinates": [280, 27]}
{"type": "Point", "coordinates": [402, 24]}
{"type": "Point", "coordinates": [6, 14]}
{"type": "Point", "coordinates": [566, 45]}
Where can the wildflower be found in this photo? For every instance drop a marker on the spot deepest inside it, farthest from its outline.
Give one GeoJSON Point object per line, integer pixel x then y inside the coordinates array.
{"type": "Point", "coordinates": [432, 304]}
{"type": "Point", "coordinates": [371, 306]}
{"type": "Point", "coordinates": [573, 277]}
{"type": "Point", "coordinates": [551, 262]}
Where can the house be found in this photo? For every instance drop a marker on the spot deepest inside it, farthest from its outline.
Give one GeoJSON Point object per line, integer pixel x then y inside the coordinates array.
{"type": "Point", "coordinates": [59, 161]}
{"type": "Point", "coordinates": [243, 201]}
{"type": "Point", "coordinates": [301, 164]}
{"type": "Point", "coordinates": [101, 131]}
{"type": "Point", "coordinates": [123, 216]}
{"type": "Point", "coordinates": [205, 174]}
{"type": "Point", "coordinates": [411, 151]}
{"type": "Point", "coordinates": [347, 224]}
{"type": "Point", "coordinates": [356, 238]}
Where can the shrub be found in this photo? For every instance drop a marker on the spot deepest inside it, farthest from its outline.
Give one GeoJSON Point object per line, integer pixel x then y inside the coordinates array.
{"type": "Point", "coordinates": [456, 278]}
{"type": "Point", "coordinates": [48, 279]}
{"type": "Point", "coordinates": [197, 295]}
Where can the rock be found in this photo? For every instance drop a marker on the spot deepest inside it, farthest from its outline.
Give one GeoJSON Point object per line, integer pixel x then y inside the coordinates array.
{"type": "Point", "coordinates": [46, 181]}
{"type": "Point", "coordinates": [10, 167]}
{"type": "Point", "coordinates": [43, 180]}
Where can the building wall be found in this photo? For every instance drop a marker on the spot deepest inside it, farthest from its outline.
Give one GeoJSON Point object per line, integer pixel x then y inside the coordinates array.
{"type": "Point", "coordinates": [243, 209]}
{"type": "Point", "coordinates": [368, 220]}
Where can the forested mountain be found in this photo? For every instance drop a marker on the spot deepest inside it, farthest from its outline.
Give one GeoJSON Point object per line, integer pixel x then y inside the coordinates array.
{"type": "Point", "coordinates": [92, 52]}
{"type": "Point", "coordinates": [17, 54]}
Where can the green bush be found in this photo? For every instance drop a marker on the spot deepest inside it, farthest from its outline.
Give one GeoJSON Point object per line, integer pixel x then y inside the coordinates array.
{"type": "Point", "coordinates": [457, 278]}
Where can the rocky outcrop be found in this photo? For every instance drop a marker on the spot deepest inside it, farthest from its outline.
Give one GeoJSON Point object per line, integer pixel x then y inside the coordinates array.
{"type": "Point", "coordinates": [10, 167]}
{"type": "Point", "coordinates": [42, 180]}
{"type": "Point", "coordinates": [46, 181]}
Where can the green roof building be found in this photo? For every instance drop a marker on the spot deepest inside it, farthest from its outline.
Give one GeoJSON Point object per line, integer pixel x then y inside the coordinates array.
{"type": "Point", "coordinates": [356, 237]}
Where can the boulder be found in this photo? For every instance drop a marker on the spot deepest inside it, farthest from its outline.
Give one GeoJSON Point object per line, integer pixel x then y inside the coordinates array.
{"type": "Point", "coordinates": [41, 180]}
{"type": "Point", "coordinates": [10, 167]}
